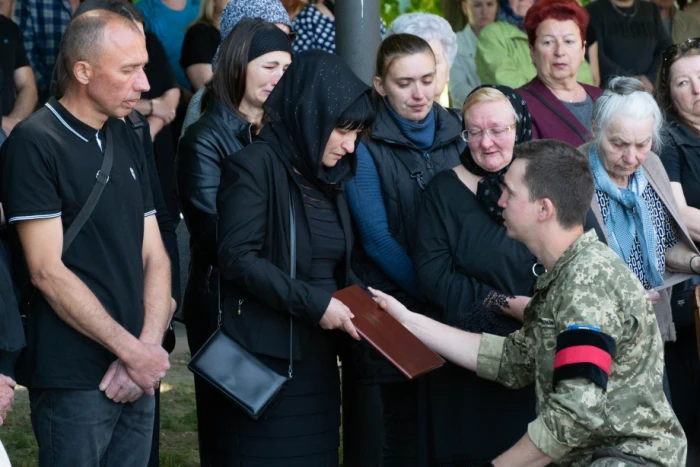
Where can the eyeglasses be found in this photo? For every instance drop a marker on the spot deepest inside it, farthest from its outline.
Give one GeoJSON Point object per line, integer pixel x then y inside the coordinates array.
{"type": "Point", "coordinates": [475, 135]}
{"type": "Point", "coordinates": [671, 52]}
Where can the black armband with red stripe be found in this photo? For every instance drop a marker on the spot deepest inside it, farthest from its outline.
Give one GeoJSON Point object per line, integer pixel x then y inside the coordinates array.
{"type": "Point", "coordinates": [583, 353]}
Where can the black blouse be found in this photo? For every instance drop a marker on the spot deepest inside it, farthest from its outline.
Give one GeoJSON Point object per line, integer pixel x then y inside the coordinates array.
{"type": "Point", "coordinates": [200, 44]}
{"type": "Point", "coordinates": [328, 238]}
{"type": "Point", "coordinates": [464, 260]}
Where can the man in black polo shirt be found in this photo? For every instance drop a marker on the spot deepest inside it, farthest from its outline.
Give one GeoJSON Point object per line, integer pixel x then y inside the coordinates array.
{"type": "Point", "coordinates": [104, 305]}
{"type": "Point", "coordinates": [18, 95]}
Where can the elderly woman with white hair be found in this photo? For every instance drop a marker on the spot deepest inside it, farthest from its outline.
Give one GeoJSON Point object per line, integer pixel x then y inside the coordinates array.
{"type": "Point", "coordinates": [437, 32]}
{"type": "Point", "coordinates": [633, 199]}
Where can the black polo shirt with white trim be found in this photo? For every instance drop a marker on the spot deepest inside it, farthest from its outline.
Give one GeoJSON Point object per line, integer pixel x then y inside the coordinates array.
{"type": "Point", "coordinates": [47, 169]}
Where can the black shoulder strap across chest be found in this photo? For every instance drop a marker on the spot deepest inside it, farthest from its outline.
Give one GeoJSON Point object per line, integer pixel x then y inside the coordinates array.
{"type": "Point", "coordinates": [89, 206]}
{"type": "Point", "coordinates": [136, 123]}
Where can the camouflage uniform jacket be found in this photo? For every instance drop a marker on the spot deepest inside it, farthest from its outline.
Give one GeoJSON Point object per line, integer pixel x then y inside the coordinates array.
{"type": "Point", "coordinates": [589, 286]}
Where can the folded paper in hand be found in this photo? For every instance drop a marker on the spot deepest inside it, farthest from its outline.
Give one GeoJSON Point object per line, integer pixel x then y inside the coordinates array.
{"type": "Point", "coordinates": [389, 337]}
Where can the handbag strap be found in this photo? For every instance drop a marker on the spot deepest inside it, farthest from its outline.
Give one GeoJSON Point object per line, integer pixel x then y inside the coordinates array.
{"type": "Point", "coordinates": [557, 113]}
{"type": "Point", "coordinates": [293, 265]}
{"type": "Point", "coordinates": [94, 197]}
{"type": "Point", "coordinates": [292, 274]}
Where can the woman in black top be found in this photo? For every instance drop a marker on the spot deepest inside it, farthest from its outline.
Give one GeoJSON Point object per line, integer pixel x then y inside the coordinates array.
{"type": "Point", "coordinates": [676, 93]}
{"type": "Point", "coordinates": [201, 41]}
{"type": "Point", "coordinates": [480, 278]}
{"type": "Point", "coordinates": [252, 60]}
{"type": "Point", "coordinates": [301, 160]}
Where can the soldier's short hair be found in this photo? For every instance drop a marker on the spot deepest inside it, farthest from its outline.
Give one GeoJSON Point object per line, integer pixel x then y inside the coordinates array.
{"type": "Point", "coordinates": [559, 172]}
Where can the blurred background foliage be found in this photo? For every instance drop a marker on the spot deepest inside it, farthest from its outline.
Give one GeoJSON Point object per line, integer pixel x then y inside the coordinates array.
{"type": "Point", "coordinates": [393, 8]}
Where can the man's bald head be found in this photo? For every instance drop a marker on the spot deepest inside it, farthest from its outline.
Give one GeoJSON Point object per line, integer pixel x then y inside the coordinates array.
{"type": "Point", "coordinates": [84, 39]}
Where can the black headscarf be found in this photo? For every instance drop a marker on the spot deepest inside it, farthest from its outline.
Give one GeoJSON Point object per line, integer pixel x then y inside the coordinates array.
{"type": "Point", "coordinates": [303, 111]}
{"type": "Point", "coordinates": [489, 189]}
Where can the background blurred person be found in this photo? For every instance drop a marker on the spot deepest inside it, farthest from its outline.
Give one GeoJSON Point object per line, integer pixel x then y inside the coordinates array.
{"type": "Point", "coordinates": [479, 277]}
{"type": "Point", "coordinates": [680, 25]}
{"type": "Point", "coordinates": [42, 24]}
{"type": "Point", "coordinates": [561, 107]}
{"type": "Point", "coordinates": [503, 50]}
{"type": "Point", "coordinates": [304, 155]}
{"type": "Point", "coordinates": [630, 37]}
{"type": "Point", "coordinates": [168, 20]}
{"type": "Point", "coordinates": [18, 91]}
{"type": "Point", "coordinates": [463, 76]}
{"type": "Point", "coordinates": [253, 58]}
{"type": "Point", "coordinates": [677, 90]}
{"type": "Point", "coordinates": [271, 11]}
{"type": "Point", "coordinates": [314, 25]}
{"type": "Point", "coordinates": [200, 43]}
{"type": "Point", "coordinates": [437, 32]}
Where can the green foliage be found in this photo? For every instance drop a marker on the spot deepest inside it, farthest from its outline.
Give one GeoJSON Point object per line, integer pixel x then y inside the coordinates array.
{"type": "Point", "coordinates": [390, 9]}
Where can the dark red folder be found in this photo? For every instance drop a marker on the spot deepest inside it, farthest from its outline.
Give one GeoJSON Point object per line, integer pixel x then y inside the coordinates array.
{"type": "Point", "coordinates": [389, 337]}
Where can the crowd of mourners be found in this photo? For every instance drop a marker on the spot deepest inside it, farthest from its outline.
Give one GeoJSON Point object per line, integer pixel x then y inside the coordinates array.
{"type": "Point", "coordinates": [522, 195]}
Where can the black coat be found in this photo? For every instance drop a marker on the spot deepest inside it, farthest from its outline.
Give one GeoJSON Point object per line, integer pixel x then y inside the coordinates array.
{"type": "Point", "coordinates": [201, 153]}
{"type": "Point", "coordinates": [258, 295]}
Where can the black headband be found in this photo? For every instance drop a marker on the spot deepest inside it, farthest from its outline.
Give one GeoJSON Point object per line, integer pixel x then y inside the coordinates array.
{"type": "Point", "coordinates": [269, 40]}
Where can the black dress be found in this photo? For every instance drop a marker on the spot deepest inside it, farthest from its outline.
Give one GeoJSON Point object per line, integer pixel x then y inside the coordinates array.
{"type": "Point", "coordinates": [302, 428]}
{"type": "Point", "coordinates": [467, 265]}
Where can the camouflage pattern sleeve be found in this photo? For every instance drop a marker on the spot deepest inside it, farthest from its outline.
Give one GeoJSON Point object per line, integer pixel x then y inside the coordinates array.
{"type": "Point", "coordinates": [574, 406]}
{"type": "Point", "coordinates": [506, 360]}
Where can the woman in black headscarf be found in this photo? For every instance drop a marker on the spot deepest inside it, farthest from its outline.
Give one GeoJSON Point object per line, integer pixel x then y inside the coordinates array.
{"type": "Point", "coordinates": [480, 278]}
{"type": "Point", "coordinates": [300, 161]}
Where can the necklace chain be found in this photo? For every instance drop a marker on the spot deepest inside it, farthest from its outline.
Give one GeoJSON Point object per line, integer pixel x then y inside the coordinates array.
{"type": "Point", "coordinates": [623, 14]}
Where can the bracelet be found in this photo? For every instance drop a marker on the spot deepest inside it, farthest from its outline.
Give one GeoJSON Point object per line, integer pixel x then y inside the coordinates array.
{"type": "Point", "coordinates": [690, 265]}
{"type": "Point", "coordinates": [150, 102]}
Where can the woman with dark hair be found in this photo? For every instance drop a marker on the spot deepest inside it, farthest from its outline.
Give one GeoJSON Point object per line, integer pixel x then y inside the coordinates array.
{"type": "Point", "coordinates": [412, 139]}
{"type": "Point", "coordinates": [303, 156]}
{"type": "Point", "coordinates": [677, 89]}
{"type": "Point", "coordinates": [252, 60]}
{"type": "Point", "coordinates": [479, 277]}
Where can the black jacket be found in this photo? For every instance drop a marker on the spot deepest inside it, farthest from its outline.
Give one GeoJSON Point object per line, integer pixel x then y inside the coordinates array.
{"type": "Point", "coordinates": [201, 153]}
{"type": "Point", "coordinates": [404, 172]}
{"type": "Point", "coordinates": [258, 295]}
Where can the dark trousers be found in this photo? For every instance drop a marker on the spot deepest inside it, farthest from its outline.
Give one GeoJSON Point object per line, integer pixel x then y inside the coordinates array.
{"type": "Point", "coordinates": [405, 440]}
{"type": "Point", "coordinates": [83, 428]}
{"type": "Point", "coordinates": [683, 368]}
{"type": "Point", "coordinates": [363, 431]}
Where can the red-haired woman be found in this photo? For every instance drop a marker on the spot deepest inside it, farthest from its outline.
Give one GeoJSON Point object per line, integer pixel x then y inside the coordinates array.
{"type": "Point", "coordinates": [560, 106]}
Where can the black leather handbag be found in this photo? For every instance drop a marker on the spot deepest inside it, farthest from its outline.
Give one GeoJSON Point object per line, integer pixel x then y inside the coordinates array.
{"type": "Point", "coordinates": [237, 373]}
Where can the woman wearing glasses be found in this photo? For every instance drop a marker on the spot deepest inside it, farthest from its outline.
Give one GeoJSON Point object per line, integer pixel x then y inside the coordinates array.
{"type": "Point", "coordinates": [677, 90]}
{"type": "Point", "coordinates": [480, 278]}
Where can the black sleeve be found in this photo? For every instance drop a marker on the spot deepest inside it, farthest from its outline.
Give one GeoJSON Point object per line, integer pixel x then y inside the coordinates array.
{"type": "Point", "coordinates": [671, 159]}
{"type": "Point", "coordinates": [662, 43]}
{"type": "Point", "coordinates": [199, 45]}
{"type": "Point", "coordinates": [437, 278]}
{"type": "Point", "coordinates": [17, 39]}
{"type": "Point", "coordinates": [591, 37]}
{"type": "Point", "coordinates": [158, 71]}
{"type": "Point", "coordinates": [197, 177]}
{"type": "Point", "coordinates": [243, 205]}
{"type": "Point", "coordinates": [166, 224]}
{"type": "Point", "coordinates": [29, 181]}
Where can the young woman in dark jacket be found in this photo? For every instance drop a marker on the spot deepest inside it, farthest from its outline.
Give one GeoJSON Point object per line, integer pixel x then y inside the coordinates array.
{"type": "Point", "coordinates": [303, 156]}
{"type": "Point", "coordinates": [252, 60]}
{"type": "Point", "coordinates": [411, 140]}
